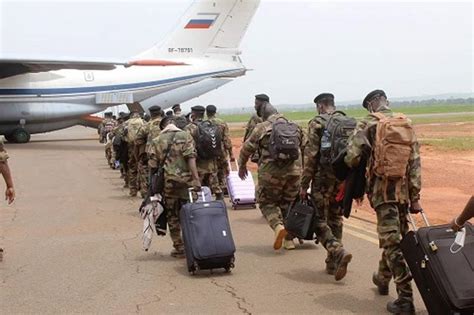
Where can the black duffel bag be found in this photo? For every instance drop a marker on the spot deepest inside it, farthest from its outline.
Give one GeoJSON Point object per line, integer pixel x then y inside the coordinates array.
{"type": "Point", "coordinates": [300, 219]}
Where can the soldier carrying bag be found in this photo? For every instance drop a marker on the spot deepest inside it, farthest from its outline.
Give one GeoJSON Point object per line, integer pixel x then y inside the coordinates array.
{"type": "Point", "coordinates": [300, 218]}
{"type": "Point", "coordinates": [284, 140]}
{"type": "Point", "coordinates": [209, 140]}
{"type": "Point", "coordinates": [157, 178]}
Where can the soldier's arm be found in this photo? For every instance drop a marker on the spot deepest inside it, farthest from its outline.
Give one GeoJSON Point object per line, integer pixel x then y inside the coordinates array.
{"type": "Point", "coordinates": [189, 153]}
{"type": "Point", "coordinates": [228, 140]}
{"type": "Point", "coordinates": [358, 145]}
{"type": "Point", "coordinates": [310, 154]}
{"type": "Point", "coordinates": [249, 147]}
{"type": "Point", "coordinates": [154, 156]}
{"type": "Point", "coordinates": [7, 176]}
{"type": "Point", "coordinates": [414, 173]}
{"type": "Point", "coordinates": [142, 135]}
{"type": "Point", "coordinates": [249, 128]}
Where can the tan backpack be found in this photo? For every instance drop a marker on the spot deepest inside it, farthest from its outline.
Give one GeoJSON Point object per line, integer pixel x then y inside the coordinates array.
{"type": "Point", "coordinates": [394, 139]}
{"type": "Point", "coordinates": [133, 125]}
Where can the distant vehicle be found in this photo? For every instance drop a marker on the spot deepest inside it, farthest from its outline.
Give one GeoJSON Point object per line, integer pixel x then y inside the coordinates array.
{"type": "Point", "coordinates": [200, 55]}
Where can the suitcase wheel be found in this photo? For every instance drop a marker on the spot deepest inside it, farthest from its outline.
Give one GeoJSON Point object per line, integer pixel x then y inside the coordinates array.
{"type": "Point", "coordinates": [194, 268]}
{"type": "Point", "coordinates": [229, 267]}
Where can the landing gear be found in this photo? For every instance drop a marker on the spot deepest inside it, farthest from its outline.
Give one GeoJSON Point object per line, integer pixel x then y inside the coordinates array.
{"type": "Point", "coordinates": [19, 135]}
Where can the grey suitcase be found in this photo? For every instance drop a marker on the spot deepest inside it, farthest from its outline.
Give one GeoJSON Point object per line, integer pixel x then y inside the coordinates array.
{"type": "Point", "coordinates": [207, 235]}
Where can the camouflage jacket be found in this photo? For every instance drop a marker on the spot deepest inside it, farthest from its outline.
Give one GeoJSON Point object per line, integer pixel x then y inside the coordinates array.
{"type": "Point", "coordinates": [226, 140]}
{"type": "Point", "coordinates": [312, 168]}
{"type": "Point", "coordinates": [258, 141]}
{"type": "Point", "coordinates": [146, 134]}
{"type": "Point", "coordinates": [253, 121]}
{"type": "Point", "coordinates": [3, 153]}
{"type": "Point", "coordinates": [360, 145]}
{"type": "Point", "coordinates": [177, 174]}
{"type": "Point", "coordinates": [203, 166]}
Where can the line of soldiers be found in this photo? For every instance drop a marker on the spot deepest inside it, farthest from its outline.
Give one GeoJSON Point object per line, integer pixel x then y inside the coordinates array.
{"type": "Point", "coordinates": [280, 182]}
{"type": "Point", "coordinates": [177, 150]}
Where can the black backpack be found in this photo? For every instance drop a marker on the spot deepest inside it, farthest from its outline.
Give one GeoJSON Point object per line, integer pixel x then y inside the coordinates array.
{"type": "Point", "coordinates": [336, 132]}
{"type": "Point", "coordinates": [209, 140]}
{"type": "Point", "coordinates": [284, 140]}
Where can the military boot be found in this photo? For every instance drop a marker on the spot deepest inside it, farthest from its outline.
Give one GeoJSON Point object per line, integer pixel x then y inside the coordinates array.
{"type": "Point", "coordinates": [133, 193]}
{"type": "Point", "coordinates": [381, 285]}
{"type": "Point", "coordinates": [177, 253]}
{"type": "Point", "coordinates": [280, 234]}
{"type": "Point", "coordinates": [330, 265]}
{"type": "Point", "coordinates": [401, 306]}
{"type": "Point", "coordinates": [219, 196]}
{"type": "Point", "coordinates": [342, 258]}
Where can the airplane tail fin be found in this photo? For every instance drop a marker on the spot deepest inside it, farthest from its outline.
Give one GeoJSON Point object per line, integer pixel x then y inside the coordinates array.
{"type": "Point", "coordinates": [209, 27]}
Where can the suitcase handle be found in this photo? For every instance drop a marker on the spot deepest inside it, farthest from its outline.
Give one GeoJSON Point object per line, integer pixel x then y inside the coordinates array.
{"type": "Point", "coordinates": [412, 221]}
{"type": "Point", "coordinates": [190, 192]}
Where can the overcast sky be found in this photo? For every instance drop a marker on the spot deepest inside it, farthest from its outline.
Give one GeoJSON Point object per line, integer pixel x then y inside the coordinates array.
{"type": "Point", "coordinates": [297, 48]}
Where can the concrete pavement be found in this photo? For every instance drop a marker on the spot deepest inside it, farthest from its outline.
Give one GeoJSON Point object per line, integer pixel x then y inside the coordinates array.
{"type": "Point", "coordinates": [73, 245]}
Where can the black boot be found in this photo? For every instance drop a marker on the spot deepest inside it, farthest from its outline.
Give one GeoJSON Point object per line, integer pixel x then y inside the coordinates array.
{"type": "Point", "coordinates": [381, 286]}
{"type": "Point", "coordinates": [401, 306]}
{"type": "Point", "coordinates": [342, 258]}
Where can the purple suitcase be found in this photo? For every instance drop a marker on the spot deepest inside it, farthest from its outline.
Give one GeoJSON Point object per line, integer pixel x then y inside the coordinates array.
{"type": "Point", "coordinates": [241, 192]}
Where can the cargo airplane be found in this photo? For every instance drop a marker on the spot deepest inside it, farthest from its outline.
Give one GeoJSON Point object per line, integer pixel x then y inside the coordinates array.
{"type": "Point", "coordinates": [200, 55]}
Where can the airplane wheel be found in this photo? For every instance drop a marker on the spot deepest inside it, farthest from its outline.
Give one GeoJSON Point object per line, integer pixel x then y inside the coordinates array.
{"type": "Point", "coordinates": [8, 138]}
{"type": "Point", "coordinates": [20, 136]}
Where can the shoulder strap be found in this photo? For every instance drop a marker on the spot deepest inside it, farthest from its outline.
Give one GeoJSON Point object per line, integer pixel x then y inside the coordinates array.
{"type": "Point", "coordinates": [168, 149]}
{"type": "Point", "coordinates": [338, 112]}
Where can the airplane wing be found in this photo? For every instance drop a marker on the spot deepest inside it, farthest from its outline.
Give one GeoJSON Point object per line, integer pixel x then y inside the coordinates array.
{"type": "Point", "coordinates": [11, 67]}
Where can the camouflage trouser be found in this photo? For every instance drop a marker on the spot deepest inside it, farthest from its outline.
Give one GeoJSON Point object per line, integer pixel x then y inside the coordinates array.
{"type": "Point", "coordinates": [210, 180]}
{"type": "Point", "coordinates": [143, 177]}
{"type": "Point", "coordinates": [275, 194]}
{"type": "Point", "coordinates": [173, 207]}
{"type": "Point", "coordinates": [324, 192]}
{"type": "Point", "coordinates": [109, 156]}
{"type": "Point", "coordinates": [392, 225]}
{"type": "Point", "coordinates": [222, 171]}
{"type": "Point", "coordinates": [132, 169]}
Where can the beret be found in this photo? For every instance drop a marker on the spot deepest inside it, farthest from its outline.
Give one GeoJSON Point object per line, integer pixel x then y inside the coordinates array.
{"type": "Point", "coordinates": [262, 97]}
{"type": "Point", "coordinates": [371, 96]}
{"type": "Point", "coordinates": [324, 97]}
{"type": "Point", "coordinates": [211, 109]}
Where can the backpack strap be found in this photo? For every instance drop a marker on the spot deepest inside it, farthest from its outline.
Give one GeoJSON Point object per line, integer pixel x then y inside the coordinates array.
{"type": "Point", "coordinates": [168, 149]}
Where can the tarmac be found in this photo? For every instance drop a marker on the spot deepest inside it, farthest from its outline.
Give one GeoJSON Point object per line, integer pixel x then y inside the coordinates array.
{"type": "Point", "coordinates": [72, 243]}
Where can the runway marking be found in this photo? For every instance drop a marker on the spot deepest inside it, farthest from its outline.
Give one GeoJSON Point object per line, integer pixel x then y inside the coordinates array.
{"type": "Point", "coordinates": [360, 228]}
{"type": "Point", "coordinates": [362, 236]}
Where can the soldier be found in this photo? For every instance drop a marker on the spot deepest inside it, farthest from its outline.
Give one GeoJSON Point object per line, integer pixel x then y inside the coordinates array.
{"type": "Point", "coordinates": [174, 150]}
{"type": "Point", "coordinates": [131, 130]}
{"type": "Point", "coordinates": [207, 167]}
{"type": "Point", "coordinates": [176, 109]}
{"type": "Point", "coordinates": [6, 173]}
{"type": "Point", "coordinates": [120, 146]}
{"type": "Point", "coordinates": [324, 184]}
{"type": "Point", "coordinates": [106, 126]}
{"type": "Point", "coordinates": [145, 136]}
{"type": "Point", "coordinates": [222, 161]}
{"type": "Point", "coordinates": [391, 197]}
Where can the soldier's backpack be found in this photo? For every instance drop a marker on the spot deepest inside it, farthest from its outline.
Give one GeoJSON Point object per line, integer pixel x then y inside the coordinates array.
{"type": "Point", "coordinates": [336, 132]}
{"type": "Point", "coordinates": [285, 140]}
{"type": "Point", "coordinates": [394, 138]}
{"type": "Point", "coordinates": [209, 140]}
{"type": "Point", "coordinates": [133, 125]}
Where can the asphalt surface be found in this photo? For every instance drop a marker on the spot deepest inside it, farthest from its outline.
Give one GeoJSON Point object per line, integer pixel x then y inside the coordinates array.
{"type": "Point", "coordinates": [73, 245]}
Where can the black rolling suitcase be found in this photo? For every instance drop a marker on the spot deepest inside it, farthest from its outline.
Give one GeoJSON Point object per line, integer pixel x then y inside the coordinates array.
{"type": "Point", "coordinates": [443, 274]}
{"type": "Point", "coordinates": [207, 235]}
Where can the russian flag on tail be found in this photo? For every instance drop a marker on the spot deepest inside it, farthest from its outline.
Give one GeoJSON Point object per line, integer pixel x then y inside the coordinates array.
{"type": "Point", "coordinates": [202, 21]}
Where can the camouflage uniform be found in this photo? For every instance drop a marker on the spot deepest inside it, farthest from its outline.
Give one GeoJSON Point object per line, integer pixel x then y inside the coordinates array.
{"type": "Point", "coordinates": [177, 174]}
{"type": "Point", "coordinates": [278, 181]}
{"type": "Point", "coordinates": [207, 169]}
{"type": "Point", "coordinates": [132, 158]}
{"type": "Point", "coordinates": [324, 184]}
{"type": "Point", "coordinates": [145, 136]}
{"type": "Point", "coordinates": [391, 208]}
{"type": "Point", "coordinates": [222, 162]}
{"type": "Point", "coordinates": [253, 121]}
{"type": "Point", "coordinates": [119, 131]}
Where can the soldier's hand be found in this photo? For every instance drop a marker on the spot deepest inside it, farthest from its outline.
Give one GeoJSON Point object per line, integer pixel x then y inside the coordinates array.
{"type": "Point", "coordinates": [243, 173]}
{"type": "Point", "coordinates": [455, 226]}
{"type": "Point", "coordinates": [303, 194]}
{"type": "Point", "coordinates": [10, 195]}
{"type": "Point", "coordinates": [415, 207]}
{"type": "Point", "coordinates": [197, 188]}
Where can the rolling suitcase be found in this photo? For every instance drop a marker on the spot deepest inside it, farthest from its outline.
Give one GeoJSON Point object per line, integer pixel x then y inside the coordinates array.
{"type": "Point", "coordinates": [241, 192]}
{"type": "Point", "coordinates": [443, 274]}
{"type": "Point", "coordinates": [207, 236]}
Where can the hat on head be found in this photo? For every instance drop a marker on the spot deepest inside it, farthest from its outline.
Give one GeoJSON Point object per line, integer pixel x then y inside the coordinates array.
{"type": "Point", "coordinates": [211, 109]}
{"type": "Point", "coordinates": [324, 97]}
{"type": "Point", "coordinates": [169, 113]}
{"type": "Point", "coordinates": [371, 96]}
{"type": "Point", "coordinates": [198, 109]}
{"type": "Point", "coordinates": [108, 114]}
{"type": "Point", "coordinates": [165, 121]}
{"type": "Point", "coordinates": [155, 110]}
{"type": "Point", "coordinates": [262, 97]}
{"type": "Point", "coordinates": [176, 106]}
